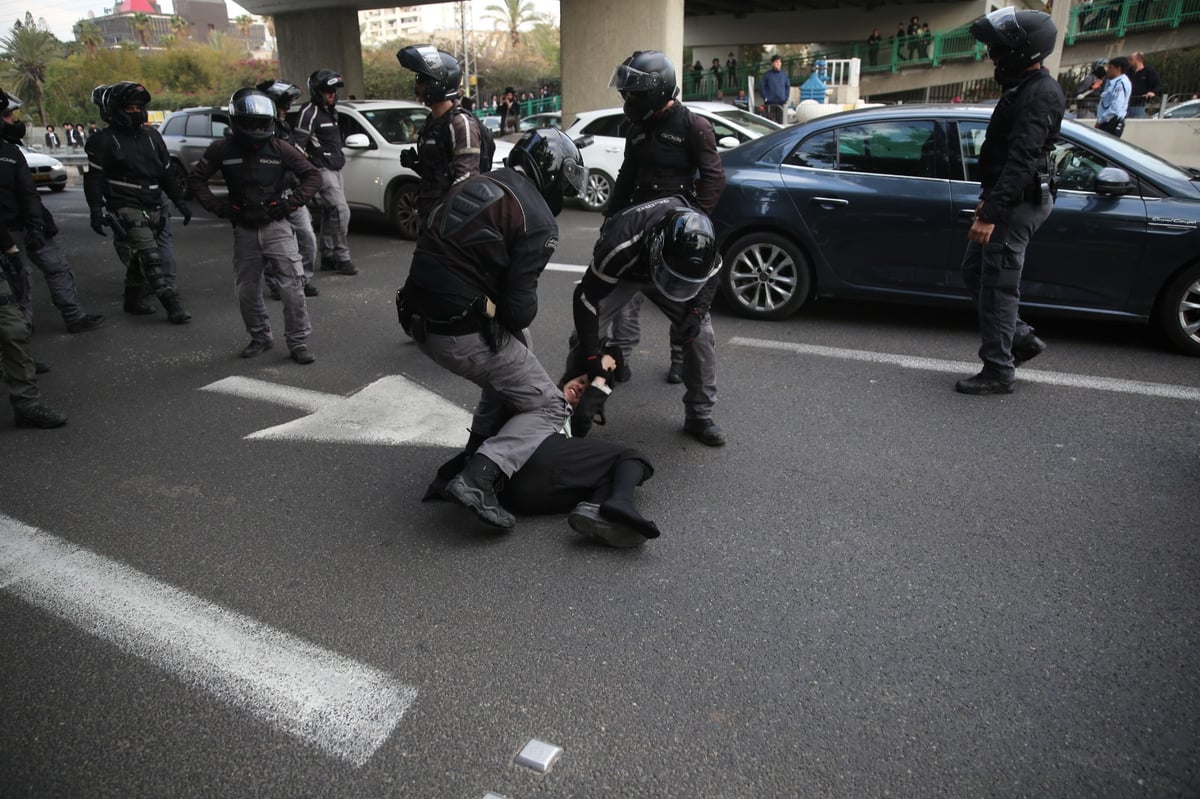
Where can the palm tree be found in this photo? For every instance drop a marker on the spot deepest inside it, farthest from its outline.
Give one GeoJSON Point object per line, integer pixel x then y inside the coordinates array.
{"type": "Point", "coordinates": [511, 16]}
{"type": "Point", "coordinates": [26, 52]}
{"type": "Point", "coordinates": [180, 27]}
{"type": "Point", "coordinates": [244, 23]}
{"type": "Point", "coordinates": [89, 36]}
{"type": "Point", "coordinates": [141, 26]}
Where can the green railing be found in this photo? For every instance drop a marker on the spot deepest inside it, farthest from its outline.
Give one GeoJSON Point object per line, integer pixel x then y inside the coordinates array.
{"type": "Point", "coordinates": [1101, 19]}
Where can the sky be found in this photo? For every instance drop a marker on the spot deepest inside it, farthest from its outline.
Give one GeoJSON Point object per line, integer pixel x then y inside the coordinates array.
{"type": "Point", "coordinates": [61, 15]}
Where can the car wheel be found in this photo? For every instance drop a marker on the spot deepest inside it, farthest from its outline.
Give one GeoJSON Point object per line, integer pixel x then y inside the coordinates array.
{"type": "Point", "coordinates": [1179, 311]}
{"type": "Point", "coordinates": [598, 191]}
{"type": "Point", "coordinates": [765, 276]}
{"type": "Point", "coordinates": [58, 187]}
{"type": "Point", "coordinates": [403, 211]}
{"type": "Point", "coordinates": [176, 173]}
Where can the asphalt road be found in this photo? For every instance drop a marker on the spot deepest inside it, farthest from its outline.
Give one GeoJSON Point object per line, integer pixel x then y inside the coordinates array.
{"type": "Point", "coordinates": [879, 587]}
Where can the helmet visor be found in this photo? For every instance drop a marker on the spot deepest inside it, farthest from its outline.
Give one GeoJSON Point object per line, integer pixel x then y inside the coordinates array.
{"type": "Point", "coordinates": [254, 105]}
{"type": "Point", "coordinates": [574, 176]}
{"type": "Point", "coordinates": [1008, 32]}
{"type": "Point", "coordinates": [627, 79]}
{"type": "Point", "coordinates": [671, 284]}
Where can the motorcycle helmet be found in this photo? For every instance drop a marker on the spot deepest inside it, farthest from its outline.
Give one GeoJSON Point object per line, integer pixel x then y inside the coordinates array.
{"type": "Point", "coordinates": [98, 99]}
{"type": "Point", "coordinates": [10, 104]}
{"type": "Point", "coordinates": [252, 115]}
{"type": "Point", "coordinates": [646, 81]}
{"type": "Point", "coordinates": [552, 161]}
{"type": "Point", "coordinates": [438, 72]}
{"type": "Point", "coordinates": [1016, 40]}
{"type": "Point", "coordinates": [120, 96]}
{"type": "Point", "coordinates": [321, 81]}
{"type": "Point", "coordinates": [281, 92]}
{"type": "Point", "coordinates": [682, 251]}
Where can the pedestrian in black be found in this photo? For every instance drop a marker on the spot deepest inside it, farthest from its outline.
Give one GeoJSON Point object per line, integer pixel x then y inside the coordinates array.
{"type": "Point", "coordinates": [450, 144]}
{"type": "Point", "coordinates": [256, 165]}
{"type": "Point", "coordinates": [873, 47]}
{"type": "Point", "coordinates": [52, 140]}
{"type": "Point", "coordinates": [589, 478]}
{"type": "Point", "coordinates": [22, 210]}
{"type": "Point", "coordinates": [730, 71]}
{"type": "Point", "coordinates": [1018, 190]}
{"type": "Point", "coordinates": [284, 94]}
{"type": "Point", "coordinates": [471, 294]}
{"type": "Point", "coordinates": [509, 111]}
{"type": "Point", "coordinates": [913, 37]}
{"type": "Point", "coordinates": [1144, 85]}
{"type": "Point", "coordinates": [318, 136]}
{"type": "Point", "coordinates": [128, 172]}
{"type": "Point", "coordinates": [666, 250]}
{"type": "Point", "coordinates": [669, 151]}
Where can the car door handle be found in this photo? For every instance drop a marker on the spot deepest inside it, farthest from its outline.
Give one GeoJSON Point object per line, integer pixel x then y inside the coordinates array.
{"type": "Point", "coordinates": [967, 213]}
{"type": "Point", "coordinates": [829, 202]}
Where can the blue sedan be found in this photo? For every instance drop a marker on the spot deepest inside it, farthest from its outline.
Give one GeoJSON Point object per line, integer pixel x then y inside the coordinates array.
{"type": "Point", "coordinates": [876, 203]}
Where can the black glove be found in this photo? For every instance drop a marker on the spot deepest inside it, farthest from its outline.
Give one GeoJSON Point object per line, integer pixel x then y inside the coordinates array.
{"type": "Point", "coordinates": [97, 223]}
{"type": "Point", "coordinates": [186, 212]}
{"type": "Point", "coordinates": [35, 238]}
{"type": "Point", "coordinates": [276, 210]}
{"type": "Point", "coordinates": [48, 224]}
{"type": "Point", "coordinates": [688, 327]}
{"type": "Point", "coordinates": [595, 368]}
{"type": "Point", "coordinates": [591, 405]}
{"type": "Point", "coordinates": [410, 159]}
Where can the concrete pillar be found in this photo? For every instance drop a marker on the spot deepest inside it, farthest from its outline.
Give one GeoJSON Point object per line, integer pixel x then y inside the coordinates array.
{"type": "Point", "coordinates": [1061, 16]}
{"type": "Point", "coordinates": [324, 38]}
{"type": "Point", "coordinates": [596, 37]}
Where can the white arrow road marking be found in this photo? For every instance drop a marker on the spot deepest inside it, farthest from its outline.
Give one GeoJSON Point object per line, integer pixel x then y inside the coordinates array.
{"type": "Point", "coordinates": [392, 410]}
{"type": "Point", "coordinates": [345, 708]}
{"type": "Point", "coordinates": [935, 365]}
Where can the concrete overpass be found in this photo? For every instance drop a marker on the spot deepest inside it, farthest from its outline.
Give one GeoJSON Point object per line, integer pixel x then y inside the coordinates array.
{"type": "Point", "coordinates": [598, 34]}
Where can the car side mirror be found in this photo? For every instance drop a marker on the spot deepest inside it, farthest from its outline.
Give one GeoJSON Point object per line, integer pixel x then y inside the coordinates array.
{"type": "Point", "coordinates": [1113, 182]}
{"type": "Point", "coordinates": [728, 142]}
{"type": "Point", "coordinates": [357, 141]}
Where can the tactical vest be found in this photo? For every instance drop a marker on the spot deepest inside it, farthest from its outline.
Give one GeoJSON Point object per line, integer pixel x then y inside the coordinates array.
{"type": "Point", "coordinates": [661, 155]}
{"type": "Point", "coordinates": [255, 179]}
{"type": "Point", "coordinates": [433, 150]}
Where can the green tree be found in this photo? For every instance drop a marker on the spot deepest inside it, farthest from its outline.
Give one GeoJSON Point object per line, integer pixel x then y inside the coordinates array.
{"type": "Point", "coordinates": [180, 28]}
{"type": "Point", "coordinates": [26, 52]}
{"type": "Point", "coordinates": [243, 23]}
{"type": "Point", "coordinates": [89, 36]}
{"type": "Point", "coordinates": [142, 28]}
{"type": "Point", "coordinates": [511, 16]}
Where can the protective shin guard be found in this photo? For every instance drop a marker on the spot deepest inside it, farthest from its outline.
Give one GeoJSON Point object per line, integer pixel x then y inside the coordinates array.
{"type": "Point", "coordinates": [134, 302]}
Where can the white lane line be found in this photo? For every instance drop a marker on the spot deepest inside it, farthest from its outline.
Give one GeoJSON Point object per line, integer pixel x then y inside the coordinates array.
{"type": "Point", "coordinates": [391, 411]}
{"type": "Point", "coordinates": [343, 707]}
{"type": "Point", "coordinates": [967, 367]}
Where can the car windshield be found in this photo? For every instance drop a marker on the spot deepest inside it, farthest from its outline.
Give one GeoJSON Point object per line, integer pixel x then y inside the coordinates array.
{"type": "Point", "coordinates": [755, 124]}
{"type": "Point", "coordinates": [397, 125]}
{"type": "Point", "coordinates": [1150, 164]}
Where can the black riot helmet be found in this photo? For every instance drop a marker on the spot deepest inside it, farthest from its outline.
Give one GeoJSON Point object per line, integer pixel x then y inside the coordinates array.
{"type": "Point", "coordinates": [10, 131]}
{"type": "Point", "coordinates": [682, 251]}
{"type": "Point", "coordinates": [1016, 40]}
{"type": "Point", "coordinates": [438, 72]}
{"type": "Point", "coordinates": [252, 116]}
{"type": "Point", "coordinates": [321, 81]}
{"type": "Point", "coordinates": [552, 161]}
{"type": "Point", "coordinates": [98, 94]}
{"type": "Point", "coordinates": [281, 92]}
{"type": "Point", "coordinates": [121, 95]}
{"type": "Point", "coordinates": [646, 81]}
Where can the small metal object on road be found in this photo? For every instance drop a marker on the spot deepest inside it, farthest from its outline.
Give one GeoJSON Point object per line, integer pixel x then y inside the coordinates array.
{"type": "Point", "coordinates": [490, 795]}
{"type": "Point", "coordinates": [539, 755]}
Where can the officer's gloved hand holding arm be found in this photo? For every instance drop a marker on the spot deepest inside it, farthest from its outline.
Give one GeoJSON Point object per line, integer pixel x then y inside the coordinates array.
{"type": "Point", "coordinates": [409, 159]}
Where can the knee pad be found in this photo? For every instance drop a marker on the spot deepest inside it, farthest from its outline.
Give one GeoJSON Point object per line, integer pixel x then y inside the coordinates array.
{"type": "Point", "coordinates": [151, 263]}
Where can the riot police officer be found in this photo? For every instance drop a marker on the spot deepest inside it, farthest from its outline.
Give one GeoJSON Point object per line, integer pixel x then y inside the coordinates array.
{"type": "Point", "coordinates": [472, 292]}
{"type": "Point", "coordinates": [1018, 190]}
{"type": "Point", "coordinates": [666, 250]}
{"type": "Point", "coordinates": [20, 208]}
{"type": "Point", "coordinates": [318, 136]}
{"type": "Point", "coordinates": [669, 151]}
{"type": "Point", "coordinates": [450, 141]}
{"type": "Point", "coordinates": [128, 172]}
{"type": "Point", "coordinates": [255, 165]}
{"type": "Point", "coordinates": [284, 94]}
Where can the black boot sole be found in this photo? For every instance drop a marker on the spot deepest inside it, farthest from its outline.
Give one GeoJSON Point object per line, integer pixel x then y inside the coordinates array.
{"type": "Point", "coordinates": [474, 500]}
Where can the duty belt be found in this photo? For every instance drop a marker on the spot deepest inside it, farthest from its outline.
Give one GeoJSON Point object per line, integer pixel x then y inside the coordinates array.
{"type": "Point", "coordinates": [466, 322]}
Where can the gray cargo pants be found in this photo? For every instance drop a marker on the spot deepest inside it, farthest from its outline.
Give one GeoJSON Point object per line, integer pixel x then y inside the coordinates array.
{"type": "Point", "coordinates": [992, 273]}
{"type": "Point", "coordinates": [519, 405]}
{"type": "Point", "coordinates": [59, 280]}
{"type": "Point", "coordinates": [272, 246]}
{"type": "Point", "coordinates": [335, 216]}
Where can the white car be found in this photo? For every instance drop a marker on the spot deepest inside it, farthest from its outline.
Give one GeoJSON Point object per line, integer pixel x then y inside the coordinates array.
{"type": "Point", "coordinates": [374, 133]}
{"type": "Point", "coordinates": [47, 170]}
{"type": "Point", "coordinates": [1188, 110]}
{"type": "Point", "coordinates": [603, 157]}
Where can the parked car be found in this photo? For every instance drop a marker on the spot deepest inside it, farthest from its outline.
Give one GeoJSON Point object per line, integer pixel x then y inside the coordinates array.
{"type": "Point", "coordinates": [47, 170]}
{"type": "Point", "coordinates": [1188, 110]}
{"type": "Point", "coordinates": [374, 132]}
{"type": "Point", "coordinates": [546, 119]}
{"type": "Point", "coordinates": [876, 203]}
{"type": "Point", "coordinates": [732, 126]}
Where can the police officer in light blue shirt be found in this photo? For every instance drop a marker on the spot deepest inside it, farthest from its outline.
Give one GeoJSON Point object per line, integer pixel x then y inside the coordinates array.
{"type": "Point", "coordinates": [1114, 99]}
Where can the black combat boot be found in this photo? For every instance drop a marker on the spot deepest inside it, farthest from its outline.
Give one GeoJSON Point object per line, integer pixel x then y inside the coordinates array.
{"type": "Point", "coordinates": [38, 416]}
{"type": "Point", "coordinates": [135, 303]}
{"type": "Point", "coordinates": [175, 313]}
{"type": "Point", "coordinates": [475, 489]}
